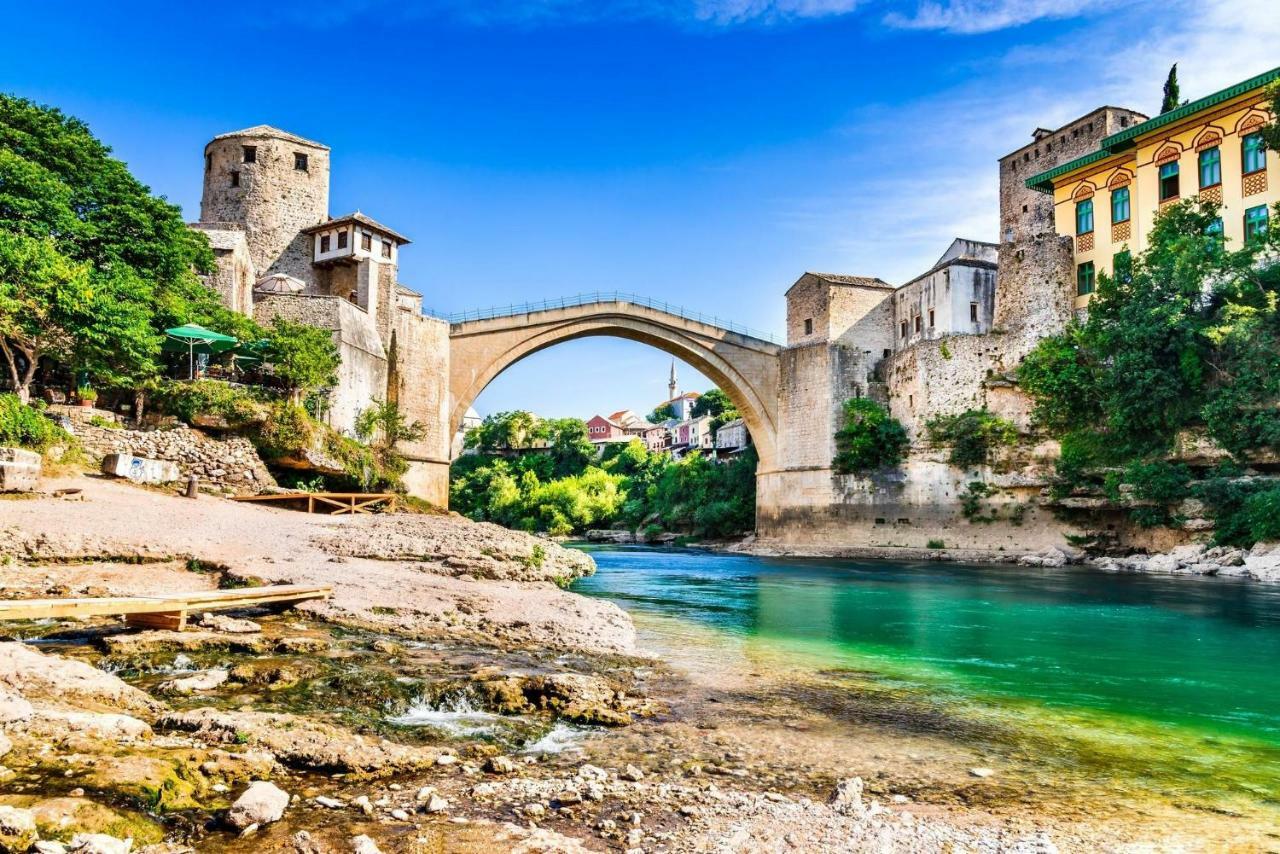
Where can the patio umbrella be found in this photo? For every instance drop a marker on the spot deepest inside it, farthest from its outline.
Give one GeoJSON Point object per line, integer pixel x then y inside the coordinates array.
{"type": "Point", "coordinates": [279, 283]}
{"type": "Point", "coordinates": [196, 339]}
{"type": "Point", "coordinates": [251, 352]}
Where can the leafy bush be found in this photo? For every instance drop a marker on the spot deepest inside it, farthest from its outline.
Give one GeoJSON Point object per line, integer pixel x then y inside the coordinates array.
{"type": "Point", "coordinates": [303, 357]}
{"type": "Point", "coordinates": [237, 405]}
{"type": "Point", "coordinates": [869, 439]}
{"type": "Point", "coordinates": [289, 432]}
{"type": "Point", "coordinates": [1262, 515]}
{"type": "Point", "coordinates": [972, 435]}
{"type": "Point", "coordinates": [23, 426]}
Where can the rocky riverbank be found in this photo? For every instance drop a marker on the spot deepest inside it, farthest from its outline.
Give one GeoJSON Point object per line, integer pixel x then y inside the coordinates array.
{"type": "Point", "coordinates": [450, 696]}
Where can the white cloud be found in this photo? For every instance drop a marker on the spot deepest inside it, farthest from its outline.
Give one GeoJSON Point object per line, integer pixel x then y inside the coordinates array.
{"type": "Point", "coordinates": [984, 16]}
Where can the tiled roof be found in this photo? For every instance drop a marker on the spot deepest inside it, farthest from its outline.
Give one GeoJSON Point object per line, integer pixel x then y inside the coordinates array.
{"type": "Point", "coordinates": [360, 218]}
{"type": "Point", "coordinates": [862, 281]}
{"type": "Point", "coordinates": [268, 130]}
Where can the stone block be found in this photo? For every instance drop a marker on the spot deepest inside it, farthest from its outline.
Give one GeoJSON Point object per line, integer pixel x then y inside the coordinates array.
{"type": "Point", "coordinates": [140, 469]}
{"type": "Point", "coordinates": [19, 470]}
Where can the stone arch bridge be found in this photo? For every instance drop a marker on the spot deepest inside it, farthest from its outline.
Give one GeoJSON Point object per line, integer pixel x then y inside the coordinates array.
{"type": "Point", "coordinates": [743, 363]}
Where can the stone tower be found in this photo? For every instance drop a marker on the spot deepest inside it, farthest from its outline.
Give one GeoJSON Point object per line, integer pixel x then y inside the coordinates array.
{"type": "Point", "coordinates": [272, 185]}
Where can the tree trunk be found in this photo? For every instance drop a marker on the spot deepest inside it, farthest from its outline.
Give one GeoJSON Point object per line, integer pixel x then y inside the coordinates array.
{"type": "Point", "coordinates": [21, 382]}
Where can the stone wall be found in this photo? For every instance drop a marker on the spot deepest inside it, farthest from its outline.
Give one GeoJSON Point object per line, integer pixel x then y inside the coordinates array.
{"type": "Point", "coordinates": [1035, 296]}
{"type": "Point", "coordinates": [225, 464]}
{"type": "Point", "coordinates": [921, 502]}
{"type": "Point", "coordinates": [418, 380]}
{"type": "Point", "coordinates": [271, 199]}
{"type": "Point", "coordinates": [362, 375]}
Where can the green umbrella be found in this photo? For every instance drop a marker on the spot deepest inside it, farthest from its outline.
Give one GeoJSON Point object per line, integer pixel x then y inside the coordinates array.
{"type": "Point", "coordinates": [196, 339]}
{"type": "Point", "coordinates": [251, 352]}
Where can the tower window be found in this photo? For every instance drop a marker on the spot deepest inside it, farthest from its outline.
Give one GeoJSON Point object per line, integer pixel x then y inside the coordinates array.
{"type": "Point", "coordinates": [235, 178]}
{"type": "Point", "coordinates": [918, 326]}
{"type": "Point", "coordinates": [1119, 205]}
{"type": "Point", "coordinates": [930, 318]}
{"type": "Point", "coordinates": [1084, 216]}
{"type": "Point", "coordinates": [250, 153]}
{"type": "Point", "coordinates": [342, 240]}
{"type": "Point", "coordinates": [324, 243]}
{"type": "Point", "coordinates": [904, 329]}
{"type": "Point", "coordinates": [808, 326]}
{"type": "Point", "coordinates": [1254, 153]}
{"type": "Point", "coordinates": [1210, 167]}
{"type": "Point", "coordinates": [973, 312]}
{"type": "Point", "coordinates": [1084, 278]}
{"type": "Point", "coordinates": [300, 161]}
{"type": "Point", "coordinates": [1169, 181]}
{"type": "Point", "coordinates": [1255, 224]}
{"type": "Point", "coordinates": [386, 249]}
{"type": "Point", "coordinates": [366, 242]}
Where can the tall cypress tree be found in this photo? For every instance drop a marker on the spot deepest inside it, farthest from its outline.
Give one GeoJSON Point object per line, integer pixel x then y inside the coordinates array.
{"type": "Point", "coordinates": [1172, 97]}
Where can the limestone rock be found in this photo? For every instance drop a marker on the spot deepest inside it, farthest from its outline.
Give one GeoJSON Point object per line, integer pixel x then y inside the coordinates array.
{"type": "Point", "coordinates": [145, 643]}
{"type": "Point", "coordinates": [364, 845]}
{"type": "Point", "coordinates": [98, 843]}
{"type": "Point", "coordinates": [36, 675]}
{"type": "Point", "coordinates": [17, 829]}
{"type": "Point", "coordinates": [140, 469]}
{"type": "Point", "coordinates": [108, 725]}
{"type": "Point", "coordinates": [300, 742]}
{"type": "Point", "coordinates": [1050, 556]}
{"type": "Point", "coordinates": [1263, 562]}
{"type": "Point", "coordinates": [262, 803]}
{"type": "Point", "coordinates": [230, 625]}
{"type": "Point", "coordinates": [19, 470]}
{"type": "Point", "coordinates": [13, 708]}
{"type": "Point", "coordinates": [205, 680]}
{"type": "Point", "coordinates": [847, 798]}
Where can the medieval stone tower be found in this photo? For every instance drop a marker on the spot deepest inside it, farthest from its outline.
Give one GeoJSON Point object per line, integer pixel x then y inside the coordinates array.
{"type": "Point", "coordinates": [272, 185]}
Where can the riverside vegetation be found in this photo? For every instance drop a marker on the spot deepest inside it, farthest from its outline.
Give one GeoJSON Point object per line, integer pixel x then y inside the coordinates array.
{"type": "Point", "coordinates": [562, 487]}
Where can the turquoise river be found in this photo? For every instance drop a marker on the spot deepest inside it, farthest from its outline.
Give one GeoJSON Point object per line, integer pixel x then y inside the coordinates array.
{"type": "Point", "coordinates": [1144, 686]}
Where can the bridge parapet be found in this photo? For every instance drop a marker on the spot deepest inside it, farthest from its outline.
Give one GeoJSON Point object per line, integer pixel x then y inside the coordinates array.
{"type": "Point", "coordinates": [605, 298]}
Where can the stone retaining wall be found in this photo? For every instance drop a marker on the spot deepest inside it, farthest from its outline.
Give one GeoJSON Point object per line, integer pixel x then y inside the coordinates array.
{"type": "Point", "coordinates": [229, 465]}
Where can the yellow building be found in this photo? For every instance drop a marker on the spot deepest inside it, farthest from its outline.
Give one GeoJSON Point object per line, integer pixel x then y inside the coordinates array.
{"type": "Point", "coordinates": [1210, 149]}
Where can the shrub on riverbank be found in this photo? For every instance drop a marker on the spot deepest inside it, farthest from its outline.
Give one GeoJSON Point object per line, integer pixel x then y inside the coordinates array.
{"type": "Point", "coordinates": [24, 426]}
{"type": "Point", "coordinates": [1185, 337]}
{"type": "Point", "coordinates": [869, 439]}
{"type": "Point", "coordinates": [972, 435]}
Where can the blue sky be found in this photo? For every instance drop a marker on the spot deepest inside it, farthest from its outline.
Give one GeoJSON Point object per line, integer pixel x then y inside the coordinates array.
{"type": "Point", "coordinates": [703, 152]}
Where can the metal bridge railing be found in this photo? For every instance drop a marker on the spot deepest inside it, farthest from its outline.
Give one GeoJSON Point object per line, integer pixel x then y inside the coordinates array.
{"type": "Point", "coordinates": [605, 297]}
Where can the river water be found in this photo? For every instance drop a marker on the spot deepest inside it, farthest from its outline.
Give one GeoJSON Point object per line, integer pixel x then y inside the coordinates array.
{"type": "Point", "coordinates": [1168, 687]}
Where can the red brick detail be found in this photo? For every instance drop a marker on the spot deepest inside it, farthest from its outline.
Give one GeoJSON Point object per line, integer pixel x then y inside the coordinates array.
{"type": "Point", "coordinates": [1084, 242]}
{"type": "Point", "coordinates": [1212, 194]}
{"type": "Point", "coordinates": [1120, 232]}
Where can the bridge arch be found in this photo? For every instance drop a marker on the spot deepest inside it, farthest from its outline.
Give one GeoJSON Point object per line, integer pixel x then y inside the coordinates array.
{"type": "Point", "coordinates": [745, 367]}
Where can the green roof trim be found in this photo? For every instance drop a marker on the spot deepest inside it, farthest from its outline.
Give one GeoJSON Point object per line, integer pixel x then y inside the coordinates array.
{"type": "Point", "coordinates": [1044, 181]}
{"type": "Point", "coordinates": [1118, 142]}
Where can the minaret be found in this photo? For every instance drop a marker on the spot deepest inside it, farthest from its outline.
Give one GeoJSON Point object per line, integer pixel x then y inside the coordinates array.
{"type": "Point", "coordinates": [671, 384]}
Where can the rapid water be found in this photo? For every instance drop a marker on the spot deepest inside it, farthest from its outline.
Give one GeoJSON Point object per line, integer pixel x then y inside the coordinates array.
{"type": "Point", "coordinates": [1144, 667]}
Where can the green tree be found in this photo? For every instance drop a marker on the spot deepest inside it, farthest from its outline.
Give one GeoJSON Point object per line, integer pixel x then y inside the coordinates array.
{"type": "Point", "coordinates": [1271, 130]}
{"type": "Point", "coordinates": [665, 412]}
{"type": "Point", "coordinates": [869, 439]}
{"type": "Point", "coordinates": [713, 402]}
{"type": "Point", "coordinates": [51, 306]}
{"type": "Point", "coordinates": [60, 184]}
{"type": "Point", "coordinates": [570, 446]}
{"type": "Point", "coordinates": [303, 357]}
{"type": "Point", "coordinates": [972, 435]}
{"type": "Point", "coordinates": [1172, 98]}
{"type": "Point", "coordinates": [382, 424]}
{"type": "Point", "coordinates": [505, 431]}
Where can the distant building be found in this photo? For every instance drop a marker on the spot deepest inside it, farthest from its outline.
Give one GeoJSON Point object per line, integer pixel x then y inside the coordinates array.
{"type": "Point", "coordinates": [1107, 199]}
{"type": "Point", "coordinates": [601, 430]}
{"type": "Point", "coordinates": [732, 438]}
{"type": "Point", "coordinates": [957, 296]}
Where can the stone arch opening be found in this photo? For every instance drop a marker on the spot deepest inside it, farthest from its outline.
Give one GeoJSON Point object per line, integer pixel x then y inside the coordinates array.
{"type": "Point", "coordinates": [746, 369]}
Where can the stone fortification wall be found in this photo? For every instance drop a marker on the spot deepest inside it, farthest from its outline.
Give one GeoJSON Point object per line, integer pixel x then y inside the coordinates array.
{"type": "Point", "coordinates": [419, 383]}
{"type": "Point", "coordinates": [920, 503]}
{"type": "Point", "coordinates": [362, 375]}
{"type": "Point", "coordinates": [269, 197]}
{"type": "Point", "coordinates": [225, 464]}
{"type": "Point", "coordinates": [947, 376]}
{"type": "Point", "coordinates": [1036, 292]}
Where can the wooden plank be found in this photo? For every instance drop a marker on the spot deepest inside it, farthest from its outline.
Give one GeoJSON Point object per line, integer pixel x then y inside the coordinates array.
{"type": "Point", "coordinates": [174, 606]}
{"type": "Point", "coordinates": [174, 621]}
